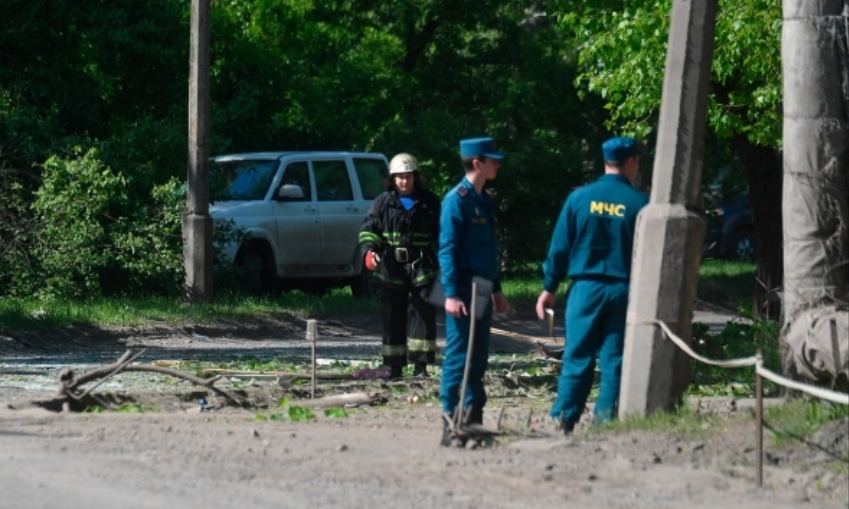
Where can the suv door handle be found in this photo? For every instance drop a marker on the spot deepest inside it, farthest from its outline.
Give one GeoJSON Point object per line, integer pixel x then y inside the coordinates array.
{"type": "Point", "coordinates": [309, 208]}
{"type": "Point", "coordinates": [353, 208]}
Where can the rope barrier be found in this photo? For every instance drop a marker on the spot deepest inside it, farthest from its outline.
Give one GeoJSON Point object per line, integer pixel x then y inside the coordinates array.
{"type": "Point", "coordinates": [733, 363]}
{"type": "Point", "coordinates": [760, 373]}
{"type": "Point", "coordinates": [835, 397]}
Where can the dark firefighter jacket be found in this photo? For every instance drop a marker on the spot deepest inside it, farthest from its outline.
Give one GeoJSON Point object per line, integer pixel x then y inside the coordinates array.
{"type": "Point", "coordinates": [389, 226]}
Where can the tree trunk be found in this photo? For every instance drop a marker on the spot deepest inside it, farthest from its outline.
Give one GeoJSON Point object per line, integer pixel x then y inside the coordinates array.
{"type": "Point", "coordinates": [764, 175]}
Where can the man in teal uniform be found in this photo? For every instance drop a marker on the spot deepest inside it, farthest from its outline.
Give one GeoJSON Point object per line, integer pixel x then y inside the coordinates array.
{"type": "Point", "coordinates": [592, 245]}
{"type": "Point", "coordinates": [467, 248]}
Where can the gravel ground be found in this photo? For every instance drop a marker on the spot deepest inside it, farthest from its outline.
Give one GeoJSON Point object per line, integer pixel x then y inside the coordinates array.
{"type": "Point", "coordinates": [176, 455]}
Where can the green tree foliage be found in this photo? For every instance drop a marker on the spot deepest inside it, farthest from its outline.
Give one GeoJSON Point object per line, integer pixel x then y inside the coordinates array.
{"type": "Point", "coordinates": [73, 203]}
{"type": "Point", "coordinates": [620, 49]}
{"type": "Point", "coordinates": [388, 76]}
{"type": "Point", "coordinates": [93, 240]}
{"type": "Point", "coordinates": [413, 76]}
{"type": "Point", "coordinates": [70, 71]}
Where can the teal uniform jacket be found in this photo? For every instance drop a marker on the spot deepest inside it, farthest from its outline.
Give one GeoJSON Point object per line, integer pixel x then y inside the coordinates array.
{"type": "Point", "coordinates": [592, 244]}
{"type": "Point", "coordinates": [594, 236]}
{"type": "Point", "coordinates": [467, 247]}
{"type": "Point", "coordinates": [467, 240]}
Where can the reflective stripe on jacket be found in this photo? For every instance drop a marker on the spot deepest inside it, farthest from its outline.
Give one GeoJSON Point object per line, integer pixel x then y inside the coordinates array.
{"type": "Point", "coordinates": [389, 226]}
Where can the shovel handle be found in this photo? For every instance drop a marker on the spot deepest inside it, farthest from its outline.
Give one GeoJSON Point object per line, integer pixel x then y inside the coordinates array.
{"type": "Point", "coordinates": [468, 367]}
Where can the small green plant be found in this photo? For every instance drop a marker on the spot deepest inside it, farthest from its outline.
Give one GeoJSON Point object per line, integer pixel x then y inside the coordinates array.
{"type": "Point", "coordinates": [130, 408]}
{"type": "Point", "coordinates": [94, 409]}
{"type": "Point", "coordinates": [739, 338]}
{"type": "Point", "coordinates": [336, 413]}
{"type": "Point", "coordinates": [297, 413]}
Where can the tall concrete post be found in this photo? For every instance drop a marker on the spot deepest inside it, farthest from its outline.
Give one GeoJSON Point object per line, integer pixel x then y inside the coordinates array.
{"type": "Point", "coordinates": [815, 65]}
{"type": "Point", "coordinates": [670, 231]}
{"type": "Point", "coordinates": [197, 225]}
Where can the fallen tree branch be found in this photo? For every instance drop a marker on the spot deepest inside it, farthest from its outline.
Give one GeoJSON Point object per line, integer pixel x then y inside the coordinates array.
{"type": "Point", "coordinates": [123, 362]}
{"type": "Point", "coordinates": [69, 383]}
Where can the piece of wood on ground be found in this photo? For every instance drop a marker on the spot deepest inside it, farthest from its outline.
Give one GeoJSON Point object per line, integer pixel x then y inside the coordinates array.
{"type": "Point", "coordinates": [343, 400]}
{"type": "Point", "coordinates": [518, 335]}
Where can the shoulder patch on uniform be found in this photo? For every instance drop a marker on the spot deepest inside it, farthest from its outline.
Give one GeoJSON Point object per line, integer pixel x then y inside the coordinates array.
{"type": "Point", "coordinates": [462, 190]}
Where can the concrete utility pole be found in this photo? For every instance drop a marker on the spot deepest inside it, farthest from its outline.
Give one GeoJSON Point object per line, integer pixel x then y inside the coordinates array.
{"type": "Point", "coordinates": [670, 231]}
{"type": "Point", "coordinates": [815, 64]}
{"type": "Point", "coordinates": [197, 225]}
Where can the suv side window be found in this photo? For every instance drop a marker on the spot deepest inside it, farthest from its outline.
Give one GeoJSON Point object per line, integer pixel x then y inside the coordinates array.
{"type": "Point", "coordinates": [372, 175]}
{"type": "Point", "coordinates": [332, 182]}
{"type": "Point", "coordinates": [298, 174]}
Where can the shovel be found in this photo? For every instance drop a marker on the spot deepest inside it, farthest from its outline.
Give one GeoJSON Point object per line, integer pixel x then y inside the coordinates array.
{"type": "Point", "coordinates": [462, 429]}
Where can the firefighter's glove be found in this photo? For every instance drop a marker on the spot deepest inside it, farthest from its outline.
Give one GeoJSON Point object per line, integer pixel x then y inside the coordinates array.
{"type": "Point", "coordinates": [372, 260]}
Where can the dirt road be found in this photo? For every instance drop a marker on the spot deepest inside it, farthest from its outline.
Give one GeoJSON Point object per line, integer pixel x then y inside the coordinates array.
{"type": "Point", "coordinates": [376, 457]}
{"type": "Point", "coordinates": [384, 457]}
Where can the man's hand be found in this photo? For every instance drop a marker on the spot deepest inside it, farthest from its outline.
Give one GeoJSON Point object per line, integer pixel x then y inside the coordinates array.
{"type": "Point", "coordinates": [499, 302]}
{"type": "Point", "coordinates": [372, 260]}
{"type": "Point", "coordinates": [454, 306]}
{"type": "Point", "coordinates": [545, 300]}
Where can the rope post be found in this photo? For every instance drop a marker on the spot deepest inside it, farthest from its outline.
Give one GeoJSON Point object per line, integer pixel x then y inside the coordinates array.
{"type": "Point", "coordinates": [759, 416]}
{"type": "Point", "coordinates": [312, 335]}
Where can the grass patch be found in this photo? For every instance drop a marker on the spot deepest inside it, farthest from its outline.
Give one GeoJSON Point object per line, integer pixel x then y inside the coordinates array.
{"type": "Point", "coordinates": [801, 418]}
{"type": "Point", "coordinates": [722, 281]}
{"type": "Point", "coordinates": [33, 313]}
{"type": "Point", "coordinates": [727, 283]}
{"type": "Point", "coordinates": [522, 288]}
{"type": "Point", "coordinates": [682, 420]}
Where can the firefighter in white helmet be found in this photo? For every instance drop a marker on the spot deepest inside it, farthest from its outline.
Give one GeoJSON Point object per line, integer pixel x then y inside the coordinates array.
{"type": "Point", "coordinates": [398, 241]}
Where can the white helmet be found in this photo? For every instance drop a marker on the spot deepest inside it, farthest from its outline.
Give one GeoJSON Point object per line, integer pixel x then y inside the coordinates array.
{"type": "Point", "coordinates": [403, 163]}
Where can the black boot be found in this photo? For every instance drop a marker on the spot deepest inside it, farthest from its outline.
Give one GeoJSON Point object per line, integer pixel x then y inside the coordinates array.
{"type": "Point", "coordinates": [565, 427]}
{"type": "Point", "coordinates": [476, 439]}
{"type": "Point", "coordinates": [474, 416]}
{"type": "Point", "coordinates": [420, 370]}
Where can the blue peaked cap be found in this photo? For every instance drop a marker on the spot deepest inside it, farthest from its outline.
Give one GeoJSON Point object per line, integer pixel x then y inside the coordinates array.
{"type": "Point", "coordinates": [619, 149]}
{"type": "Point", "coordinates": [479, 147]}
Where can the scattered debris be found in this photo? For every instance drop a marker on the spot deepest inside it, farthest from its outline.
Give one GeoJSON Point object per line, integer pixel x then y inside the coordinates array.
{"type": "Point", "coordinates": [68, 396]}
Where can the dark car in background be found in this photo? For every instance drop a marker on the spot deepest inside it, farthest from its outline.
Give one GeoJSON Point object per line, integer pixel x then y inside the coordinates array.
{"type": "Point", "coordinates": [730, 230]}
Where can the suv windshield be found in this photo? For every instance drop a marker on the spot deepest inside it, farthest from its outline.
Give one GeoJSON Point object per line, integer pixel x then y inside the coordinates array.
{"type": "Point", "coordinates": [241, 180]}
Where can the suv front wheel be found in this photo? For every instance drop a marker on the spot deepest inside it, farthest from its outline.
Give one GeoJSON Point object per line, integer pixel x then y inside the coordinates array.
{"type": "Point", "coordinates": [256, 267]}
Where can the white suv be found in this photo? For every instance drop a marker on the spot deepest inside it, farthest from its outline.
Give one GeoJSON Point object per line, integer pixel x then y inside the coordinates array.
{"type": "Point", "coordinates": [302, 213]}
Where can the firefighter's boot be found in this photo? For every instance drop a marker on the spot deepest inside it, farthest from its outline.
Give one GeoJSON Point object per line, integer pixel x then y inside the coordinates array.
{"type": "Point", "coordinates": [420, 370]}
{"type": "Point", "coordinates": [396, 372]}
